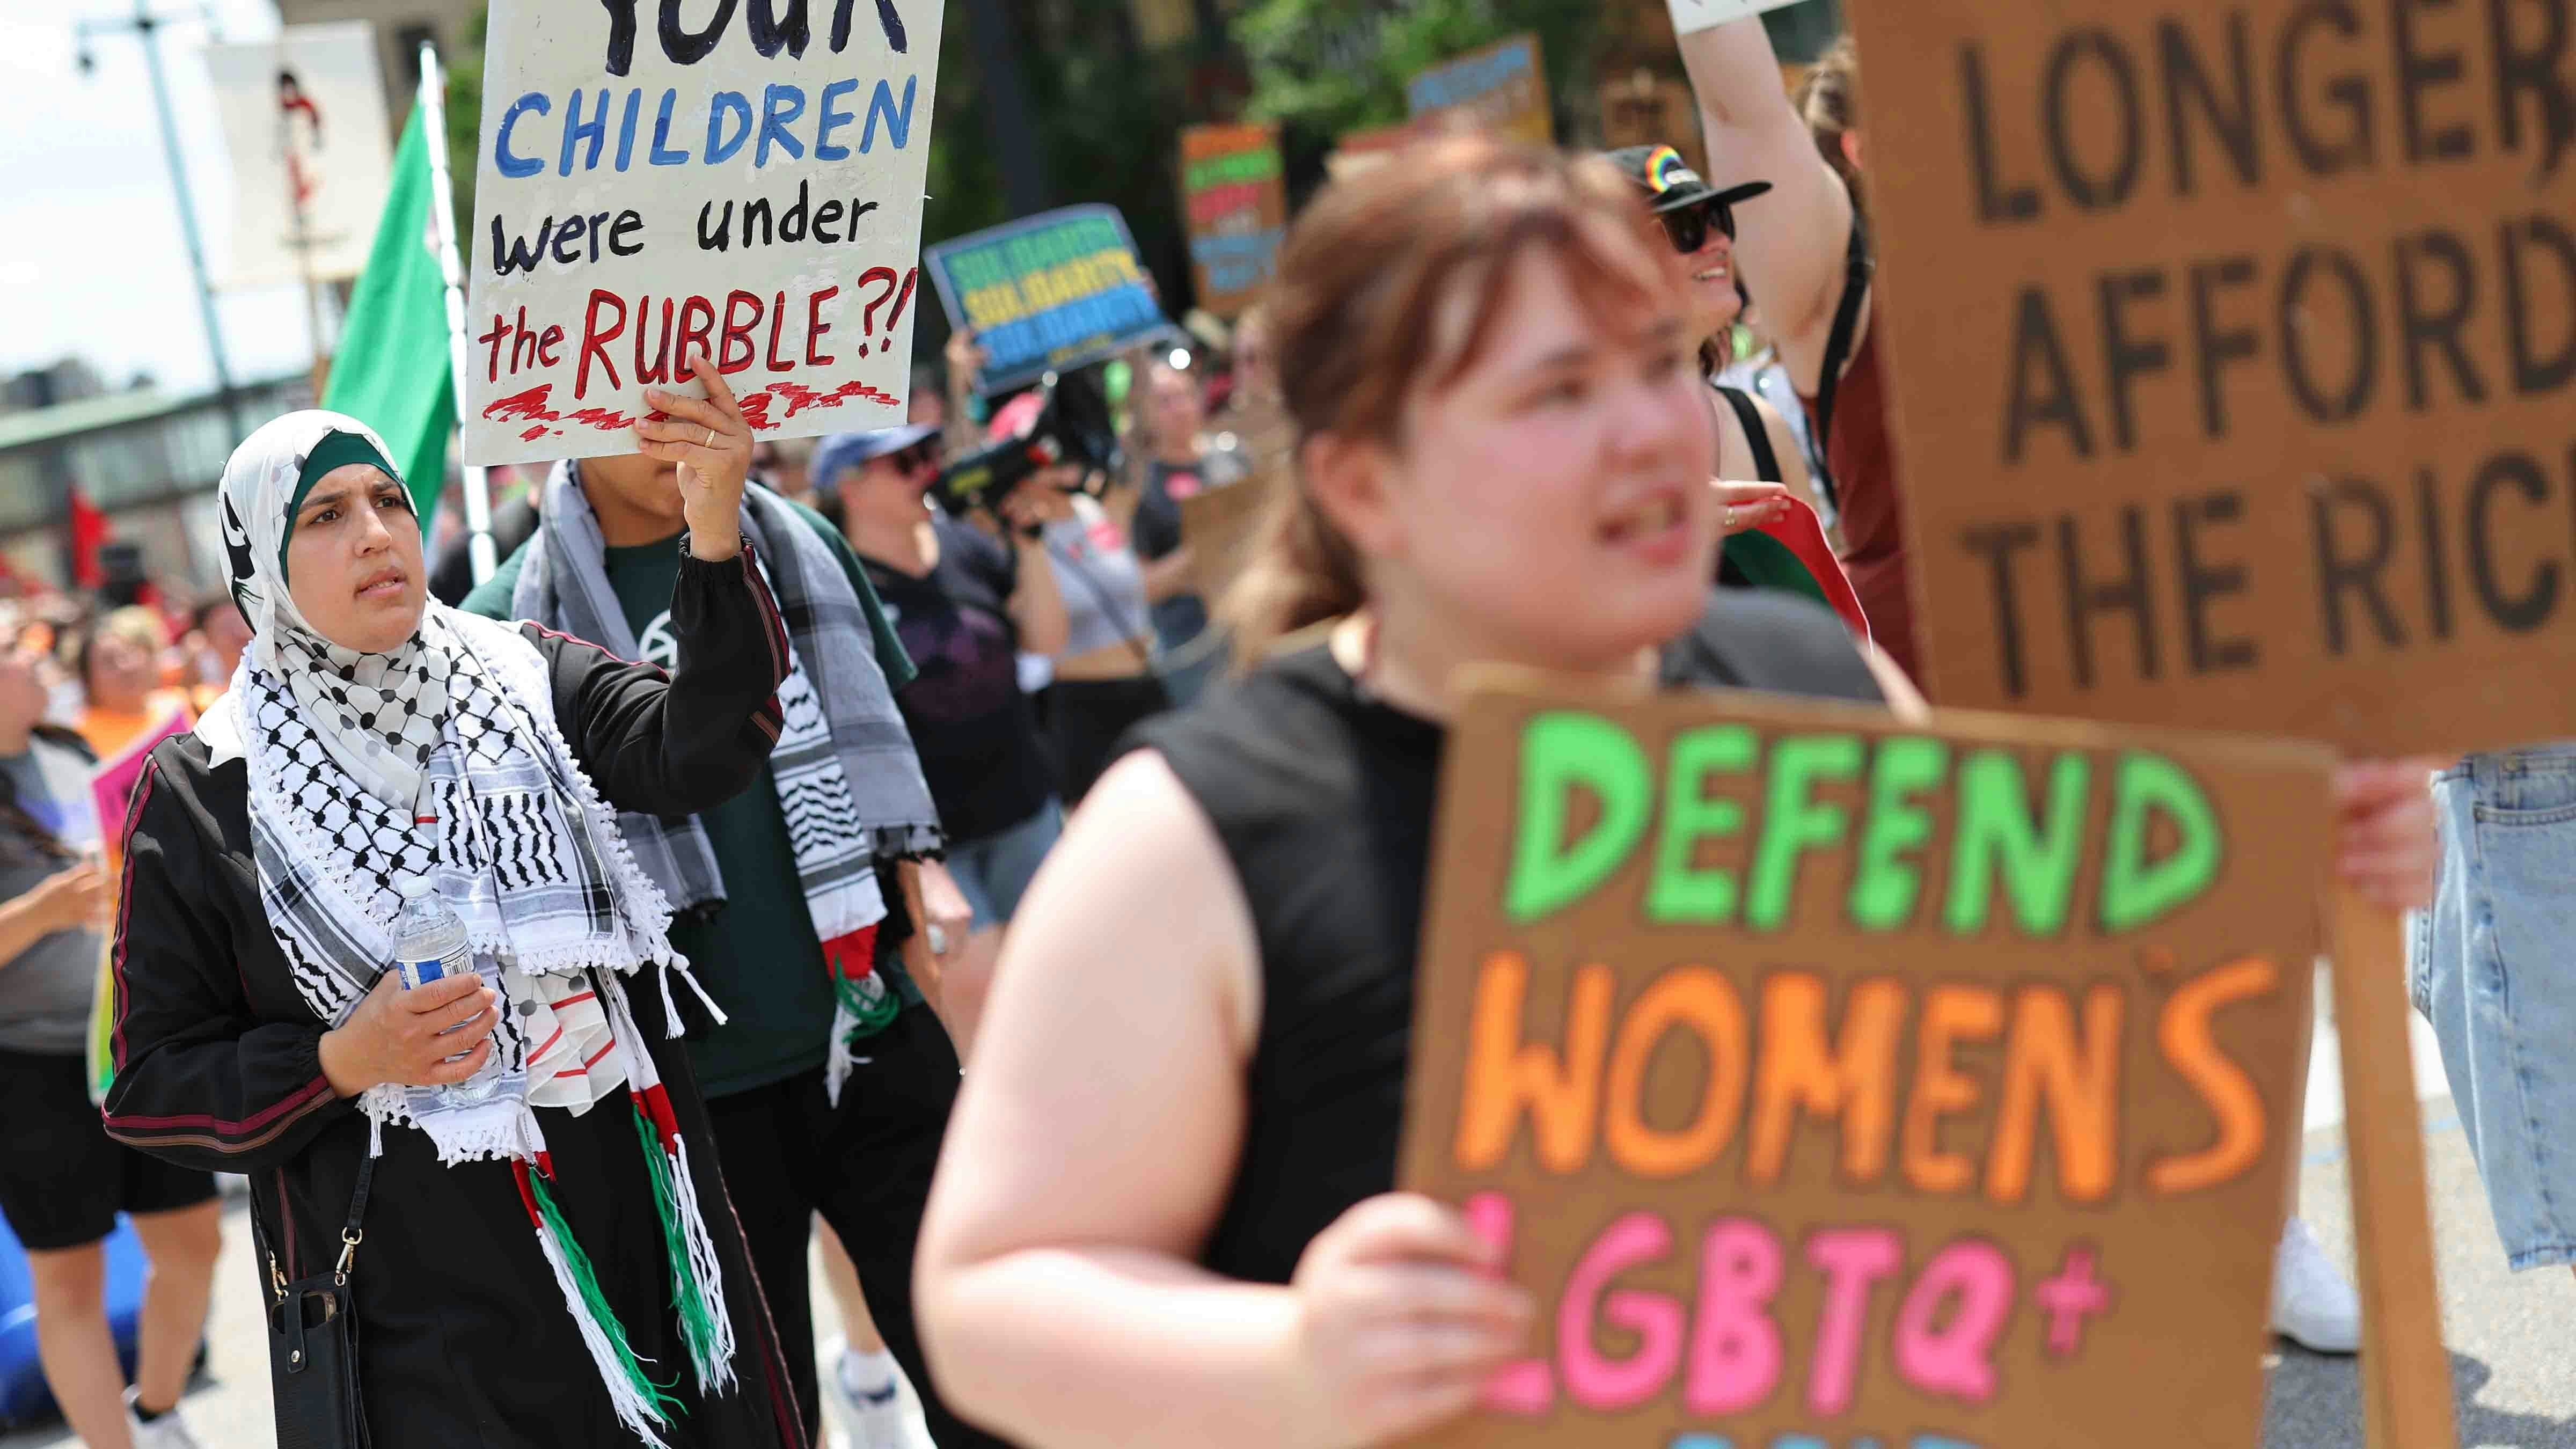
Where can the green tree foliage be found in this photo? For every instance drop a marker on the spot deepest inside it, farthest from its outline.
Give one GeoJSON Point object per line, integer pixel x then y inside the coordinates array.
{"type": "Point", "coordinates": [465, 121]}
{"type": "Point", "coordinates": [1324, 67]}
{"type": "Point", "coordinates": [1112, 110]}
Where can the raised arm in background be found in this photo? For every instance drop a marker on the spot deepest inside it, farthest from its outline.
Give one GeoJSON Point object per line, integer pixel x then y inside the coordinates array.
{"type": "Point", "coordinates": [1794, 261]}
{"type": "Point", "coordinates": [1036, 602]}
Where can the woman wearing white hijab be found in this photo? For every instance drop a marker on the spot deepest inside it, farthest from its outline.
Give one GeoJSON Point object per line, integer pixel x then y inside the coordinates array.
{"type": "Point", "coordinates": [553, 1264]}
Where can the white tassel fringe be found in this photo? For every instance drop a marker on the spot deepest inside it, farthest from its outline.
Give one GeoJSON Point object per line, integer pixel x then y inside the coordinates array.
{"type": "Point", "coordinates": [707, 1269]}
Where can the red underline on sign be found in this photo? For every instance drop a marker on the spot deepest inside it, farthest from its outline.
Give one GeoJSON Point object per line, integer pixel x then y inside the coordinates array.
{"type": "Point", "coordinates": [531, 407]}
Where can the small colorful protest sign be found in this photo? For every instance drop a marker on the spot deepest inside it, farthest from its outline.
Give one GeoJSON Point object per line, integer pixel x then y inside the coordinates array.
{"type": "Point", "coordinates": [1501, 88]}
{"type": "Point", "coordinates": [1235, 195]}
{"type": "Point", "coordinates": [1046, 293]}
{"type": "Point", "coordinates": [304, 121]}
{"type": "Point", "coordinates": [111, 786]}
{"type": "Point", "coordinates": [749, 189]}
{"type": "Point", "coordinates": [1834, 1081]}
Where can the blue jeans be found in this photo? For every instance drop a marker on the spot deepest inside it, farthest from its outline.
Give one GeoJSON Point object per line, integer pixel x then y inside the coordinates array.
{"type": "Point", "coordinates": [993, 871]}
{"type": "Point", "coordinates": [2493, 968]}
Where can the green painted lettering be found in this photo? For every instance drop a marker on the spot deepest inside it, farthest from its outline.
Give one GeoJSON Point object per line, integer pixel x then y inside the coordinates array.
{"type": "Point", "coordinates": [2134, 890]}
{"type": "Point", "coordinates": [1792, 823]}
{"type": "Point", "coordinates": [1996, 836]}
{"type": "Point", "coordinates": [1885, 883]}
{"type": "Point", "coordinates": [1680, 893]}
{"type": "Point", "coordinates": [1562, 751]}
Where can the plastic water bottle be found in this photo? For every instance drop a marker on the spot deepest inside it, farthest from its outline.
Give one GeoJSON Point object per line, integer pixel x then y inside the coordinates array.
{"type": "Point", "coordinates": [430, 945]}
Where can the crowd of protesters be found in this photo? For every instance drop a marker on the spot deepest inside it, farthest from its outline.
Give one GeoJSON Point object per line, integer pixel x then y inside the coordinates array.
{"type": "Point", "coordinates": [1605, 416]}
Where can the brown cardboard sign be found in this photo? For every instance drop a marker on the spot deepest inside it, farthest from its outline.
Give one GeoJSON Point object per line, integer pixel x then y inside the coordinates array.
{"type": "Point", "coordinates": [2231, 350]}
{"type": "Point", "coordinates": [1647, 109]}
{"type": "Point", "coordinates": [1219, 524]}
{"type": "Point", "coordinates": [1929, 1087]}
{"type": "Point", "coordinates": [1234, 194]}
{"type": "Point", "coordinates": [1501, 88]}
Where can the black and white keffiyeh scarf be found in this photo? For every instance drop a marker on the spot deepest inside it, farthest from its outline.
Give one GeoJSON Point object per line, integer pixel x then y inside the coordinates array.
{"type": "Point", "coordinates": [439, 758]}
{"type": "Point", "coordinates": [849, 782]}
{"type": "Point", "coordinates": [442, 759]}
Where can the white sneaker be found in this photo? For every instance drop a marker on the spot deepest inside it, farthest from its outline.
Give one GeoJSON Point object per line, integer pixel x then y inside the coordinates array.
{"type": "Point", "coordinates": [170, 1431]}
{"type": "Point", "coordinates": [867, 1415]}
{"type": "Point", "coordinates": [2312, 1306]}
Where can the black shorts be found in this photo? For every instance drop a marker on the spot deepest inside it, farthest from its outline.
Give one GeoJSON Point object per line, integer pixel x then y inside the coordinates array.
{"type": "Point", "coordinates": [63, 1180]}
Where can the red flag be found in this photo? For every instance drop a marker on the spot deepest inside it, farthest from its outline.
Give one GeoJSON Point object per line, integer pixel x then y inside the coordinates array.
{"type": "Point", "coordinates": [1803, 534]}
{"type": "Point", "coordinates": [89, 532]}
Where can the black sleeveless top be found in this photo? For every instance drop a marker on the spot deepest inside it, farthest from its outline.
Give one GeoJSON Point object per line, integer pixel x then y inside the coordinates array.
{"type": "Point", "coordinates": [1322, 797]}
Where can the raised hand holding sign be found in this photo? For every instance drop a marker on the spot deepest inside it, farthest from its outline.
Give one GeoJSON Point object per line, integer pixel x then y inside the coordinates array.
{"type": "Point", "coordinates": [711, 443]}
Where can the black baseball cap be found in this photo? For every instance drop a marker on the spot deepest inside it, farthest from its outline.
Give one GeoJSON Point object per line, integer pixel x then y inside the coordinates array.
{"type": "Point", "coordinates": [1670, 184]}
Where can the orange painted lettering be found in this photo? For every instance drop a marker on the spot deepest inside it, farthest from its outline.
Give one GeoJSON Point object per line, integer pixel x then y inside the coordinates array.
{"type": "Point", "coordinates": [2079, 1082]}
{"type": "Point", "coordinates": [1703, 1003]}
{"type": "Point", "coordinates": [1798, 1070]}
{"type": "Point", "coordinates": [2185, 1038]}
{"type": "Point", "coordinates": [1951, 1014]}
{"type": "Point", "coordinates": [1506, 1074]}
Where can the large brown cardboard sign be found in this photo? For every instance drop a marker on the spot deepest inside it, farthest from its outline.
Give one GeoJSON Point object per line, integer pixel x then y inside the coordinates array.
{"type": "Point", "coordinates": [2232, 348]}
{"type": "Point", "coordinates": [1824, 1076]}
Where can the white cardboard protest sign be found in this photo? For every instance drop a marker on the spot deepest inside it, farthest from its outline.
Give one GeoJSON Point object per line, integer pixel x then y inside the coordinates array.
{"type": "Point", "coordinates": [740, 181]}
{"type": "Point", "coordinates": [304, 120]}
{"type": "Point", "coordinates": [1690, 15]}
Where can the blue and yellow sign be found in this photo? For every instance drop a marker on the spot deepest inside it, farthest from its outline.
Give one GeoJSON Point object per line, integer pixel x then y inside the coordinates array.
{"type": "Point", "coordinates": [1047, 293]}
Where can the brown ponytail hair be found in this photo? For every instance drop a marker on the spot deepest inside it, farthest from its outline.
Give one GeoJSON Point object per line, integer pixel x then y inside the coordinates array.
{"type": "Point", "coordinates": [1829, 98]}
{"type": "Point", "coordinates": [1364, 311]}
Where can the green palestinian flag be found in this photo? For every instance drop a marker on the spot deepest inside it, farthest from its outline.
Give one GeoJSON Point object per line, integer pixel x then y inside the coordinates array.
{"type": "Point", "coordinates": [391, 373]}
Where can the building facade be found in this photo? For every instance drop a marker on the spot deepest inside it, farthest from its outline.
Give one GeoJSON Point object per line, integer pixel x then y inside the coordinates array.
{"type": "Point", "coordinates": [146, 459]}
{"type": "Point", "coordinates": [401, 25]}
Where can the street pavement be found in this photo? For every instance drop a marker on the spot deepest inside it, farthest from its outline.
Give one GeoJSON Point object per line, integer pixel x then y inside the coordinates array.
{"type": "Point", "coordinates": [231, 1409]}
{"type": "Point", "coordinates": [2512, 1338]}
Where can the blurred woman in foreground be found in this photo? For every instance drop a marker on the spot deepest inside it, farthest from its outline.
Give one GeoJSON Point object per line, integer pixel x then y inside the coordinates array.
{"type": "Point", "coordinates": [1503, 451]}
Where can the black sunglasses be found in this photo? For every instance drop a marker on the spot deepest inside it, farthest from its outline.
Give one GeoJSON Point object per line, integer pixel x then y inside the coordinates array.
{"type": "Point", "coordinates": [917, 456]}
{"type": "Point", "coordinates": [1688, 225]}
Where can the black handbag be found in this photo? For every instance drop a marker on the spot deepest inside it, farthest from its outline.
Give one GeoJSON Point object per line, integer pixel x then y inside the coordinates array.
{"type": "Point", "coordinates": [313, 1336]}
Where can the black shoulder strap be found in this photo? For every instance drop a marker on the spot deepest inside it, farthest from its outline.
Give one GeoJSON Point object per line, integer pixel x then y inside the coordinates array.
{"type": "Point", "coordinates": [358, 1199]}
{"type": "Point", "coordinates": [1766, 463]}
{"type": "Point", "coordinates": [352, 1232]}
{"type": "Point", "coordinates": [1858, 267]}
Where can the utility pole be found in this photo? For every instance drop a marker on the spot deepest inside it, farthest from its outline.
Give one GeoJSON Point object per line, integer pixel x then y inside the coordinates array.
{"type": "Point", "coordinates": [1006, 107]}
{"type": "Point", "coordinates": [146, 27]}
